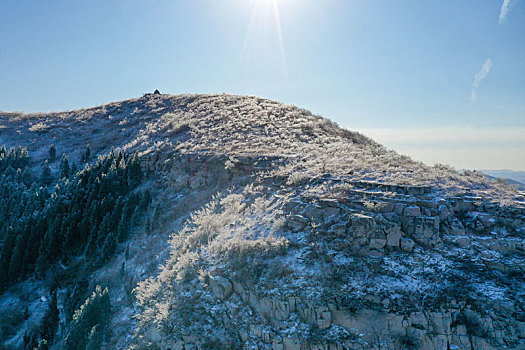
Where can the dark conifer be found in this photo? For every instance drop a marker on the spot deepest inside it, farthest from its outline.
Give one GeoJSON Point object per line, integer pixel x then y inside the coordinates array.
{"type": "Point", "coordinates": [15, 265]}
{"type": "Point", "coordinates": [52, 153]}
{"type": "Point", "coordinates": [74, 169]}
{"type": "Point", "coordinates": [94, 312]}
{"type": "Point", "coordinates": [45, 175]}
{"type": "Point", "coordinates": [64, 167]}
{"type": "Point", "coordinates": [86, 156]}
{"type": "Point", "coordinates": [134, 170]}
{"type": "Point", "coordinates": [95, 338]}
{"type": "Point", "coordinates": [109, 246]}
{"type": "Point", "coordinates": [51, 319]}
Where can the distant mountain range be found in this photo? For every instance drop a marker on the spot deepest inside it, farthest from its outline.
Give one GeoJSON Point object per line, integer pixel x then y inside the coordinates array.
{"type": "Point", "coordinates": [516, 178]}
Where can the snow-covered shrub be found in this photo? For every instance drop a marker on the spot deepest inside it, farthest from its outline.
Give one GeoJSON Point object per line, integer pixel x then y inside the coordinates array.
{"type": "Point", "coordinates": [235, 232]}
{"type": "Point", "coordinates": [39, 127]}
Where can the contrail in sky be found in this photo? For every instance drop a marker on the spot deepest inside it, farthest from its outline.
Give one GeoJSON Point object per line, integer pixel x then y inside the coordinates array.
{"type": "Point", "coordinates": [478, 78]}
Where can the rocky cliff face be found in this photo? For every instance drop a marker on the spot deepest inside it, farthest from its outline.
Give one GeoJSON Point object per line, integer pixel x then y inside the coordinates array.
{"type": "Point", "coordinates": [279, 230]}
{"type": "Point", "coordinates": [365, 265]}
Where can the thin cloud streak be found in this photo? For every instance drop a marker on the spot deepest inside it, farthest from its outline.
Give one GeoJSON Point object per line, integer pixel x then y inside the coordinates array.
{"type": "Point", "coordinates": [478, 78]}
{"type": "Point", "coordinates": [504, 10]}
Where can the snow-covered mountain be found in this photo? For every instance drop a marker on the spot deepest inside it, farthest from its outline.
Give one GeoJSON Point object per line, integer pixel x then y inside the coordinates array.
{"type": "Point", "coordinates": [273, 228]}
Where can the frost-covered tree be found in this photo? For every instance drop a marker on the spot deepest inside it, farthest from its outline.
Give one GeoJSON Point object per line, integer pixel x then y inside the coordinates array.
{"type": "Point", "coordinates": [64, 167]}
{"type": "Point", "coordinates": [86, 155]}
{"type": "Point", "coordinates": [95, 339]}
{"type": "Point", "coordinates": [45, 174]}
{"type": "Point", "coordinates": [92, 314]}
{"type": "Point", "coordinates": [134, 170]}
{"type": "Point", "coordinates": [85, 213]}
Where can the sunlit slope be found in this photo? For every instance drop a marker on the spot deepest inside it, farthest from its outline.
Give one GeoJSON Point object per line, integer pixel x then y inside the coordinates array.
{"type": "Point", "coordinates": [309, 145]}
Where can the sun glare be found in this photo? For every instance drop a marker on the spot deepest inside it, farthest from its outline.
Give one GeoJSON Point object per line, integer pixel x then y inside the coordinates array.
{"type": "Point", "coordinates": [264, 13]}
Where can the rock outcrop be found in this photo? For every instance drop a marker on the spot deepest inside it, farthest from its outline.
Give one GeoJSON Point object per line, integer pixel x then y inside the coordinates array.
{"type": "Point", "coordinates": [395, 267]}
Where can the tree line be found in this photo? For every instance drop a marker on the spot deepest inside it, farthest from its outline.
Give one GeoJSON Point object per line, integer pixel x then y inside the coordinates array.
{"type": "Point", "coordinates": [87, 212]}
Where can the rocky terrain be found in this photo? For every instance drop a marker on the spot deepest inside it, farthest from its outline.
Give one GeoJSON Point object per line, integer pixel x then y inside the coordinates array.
{"type": "Point", "coordinates": [273, 228]}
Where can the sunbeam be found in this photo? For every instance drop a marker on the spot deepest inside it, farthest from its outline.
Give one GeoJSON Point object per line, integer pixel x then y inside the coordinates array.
{"type": "Point", "coordinates": [263, 13]}
{"type": "Point", "coordinates": [280, 36]}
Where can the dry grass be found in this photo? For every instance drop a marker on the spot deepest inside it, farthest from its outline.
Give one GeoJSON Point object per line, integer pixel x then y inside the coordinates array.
{"type": "Point", "coordinates": [309, 145]}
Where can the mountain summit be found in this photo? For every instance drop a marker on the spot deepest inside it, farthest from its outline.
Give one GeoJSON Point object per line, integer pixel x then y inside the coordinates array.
{"type": "Point", "coordinates": [222, 221]}
{"type": "Point", "coordinates": [227, 125]}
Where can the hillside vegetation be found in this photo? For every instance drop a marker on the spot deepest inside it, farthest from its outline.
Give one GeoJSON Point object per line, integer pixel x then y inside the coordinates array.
{"type": "Point", "coordinates": [220, 221]}
{"type": "Point", "coordinates": [231, 125]}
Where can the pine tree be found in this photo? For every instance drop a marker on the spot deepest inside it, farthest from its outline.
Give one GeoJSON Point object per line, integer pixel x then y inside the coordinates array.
{"type": "Point", "coordinates": [52, 153]}
{"type": "Point", "coordinates": [64, 167]}
{"type": "Point", "coordinates": [45, 175]}
{"type": "Point", "coordinates": [94, 312]}
{"type": "Point", "coordinates": [20, 158]}
{"type": "Point", "coordinates": [5, 256]}
{"type": "Point", "coordinates": [85, 157]}
{"type": "Point", "coordinates": [91, 246]}
{"type": "Point", "coordinates": [109, 246]}
{"type": "Point", "coordinates": [123, 228]}
{"type": "Point", "coordinates": [94, 339]}
{"type": "Point", "coordinates": [145, 200]}
{"type": "Point", "coordinates": [134, 170]}
{"type": "Point", "coordinates": [74, 169]}
{"type": "Point", "coordinates": [15, 265]}
{"type": "Point", "coordinates": [51, 319]}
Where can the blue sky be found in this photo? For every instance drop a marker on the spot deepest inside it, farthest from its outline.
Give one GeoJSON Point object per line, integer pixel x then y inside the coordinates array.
{"type": "Point", "coordinates": [442, 81]}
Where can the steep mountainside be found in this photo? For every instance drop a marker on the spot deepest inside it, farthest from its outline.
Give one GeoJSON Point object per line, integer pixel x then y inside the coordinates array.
{"type": "Point", "coordinates": [268, 228]}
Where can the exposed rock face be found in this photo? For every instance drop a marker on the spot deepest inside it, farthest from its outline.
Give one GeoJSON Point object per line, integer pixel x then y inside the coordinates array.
{"type": "Point", "coordinates": [413, 271]}
{"type": "Point", "coordinates": [221, 287]}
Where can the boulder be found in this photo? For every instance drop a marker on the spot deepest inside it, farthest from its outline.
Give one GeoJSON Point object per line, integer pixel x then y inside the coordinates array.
{"type": "Point", "coordinates": [221, 287]}
{"type": "Point", "coordinates": [319, 214]}
{"type": "Point", "coordinates": [197, 182]}
{"type": "Point", "coordinates": [153, 334]}
{"type": "Point", "coordinates": [399, 208]}
{"type": "Point", "coordinates": [426, 226]}
{"type": "Point", "coordinates": [291, 343]}
{"type": "Point", "coordinates": [362, 225]}
{"type": "Point", "coordinates": [425, 229]}
{"type": "Point", "coordinates": [316, 315]}
{"type": "Point", "coordinates": [297, 222]}
{"type": "Point", "coordinates": [407, 244]}
{"type": "Point", "coordinates": [393, 238]}
{"type": "Point", "coordinates": [412, 211]}
{"type": "Point", "coordinates": [462, 242]}
{"type": "Point", "coordinates": [377, 243]}
{"type": "Point", "coordinates": [338, 229]}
